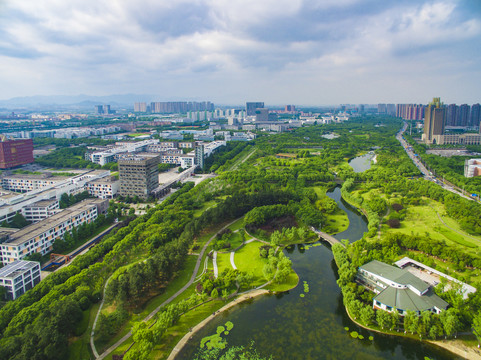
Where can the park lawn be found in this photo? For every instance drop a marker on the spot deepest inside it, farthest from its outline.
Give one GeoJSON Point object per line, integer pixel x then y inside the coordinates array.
{"type": "Point", "coordinates": [79, 347]}
{"type": "Point", "coordinates": [205, 206]}
{"type": "Point", "coordinates": [235, 240]}
{"type": "Point", "coordinates": [223, 262]}
{"type": "Point", "coordinates": [248, 259]}
{"type": "Point", "coordinates": [336, 222]}
{"type": "Point", "coordinates": [175, 285]}
{"type": "Point", "coordinates": [423, 219]}
{"type": "Point", "coordinates": [239, 224]}
{"type": "Point", "coordinates": [290, 283]}
{"type": "Point", "coordinates": [176, 332]}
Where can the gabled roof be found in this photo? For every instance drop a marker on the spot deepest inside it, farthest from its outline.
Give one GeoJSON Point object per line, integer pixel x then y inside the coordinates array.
{"type": "Point", "coordinates": [395, 275]}
{"type": "Point", "coordinates": [405, 299]}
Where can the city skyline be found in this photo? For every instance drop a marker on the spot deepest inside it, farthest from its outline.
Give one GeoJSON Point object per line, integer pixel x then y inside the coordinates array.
{"type": "Point", "coordinates": [350, 51]}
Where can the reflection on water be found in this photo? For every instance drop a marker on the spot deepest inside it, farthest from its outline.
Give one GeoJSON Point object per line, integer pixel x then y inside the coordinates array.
{"type": "Point", "coordinates": [288, 326]}
{"type": "Point", "coordinates": [361, 163]}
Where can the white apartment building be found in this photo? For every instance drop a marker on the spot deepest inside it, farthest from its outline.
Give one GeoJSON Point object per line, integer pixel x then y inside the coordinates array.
{"type": "Point", "coordinates": [103, 188]}
{"type": "Point", "coordinates": [40, 237]}
{"type": "Point", "coordinates": [18, 277]}
{"type": "Point", "coordinates": [27, 182]}
{"type": "Point", "coordinates": [106, 156]}
{"type": "Point", "coordinates": [41, 210]}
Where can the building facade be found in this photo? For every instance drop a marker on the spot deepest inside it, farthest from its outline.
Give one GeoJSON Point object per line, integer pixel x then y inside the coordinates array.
{"type": "Point", "coordinates": [139, 176]}
{"type": "Point", "coordinates": [434, 120]}
{"type": "Point", "coordinates": [18, 277]}
{"type": "Point", "coordinates": [39, 237]}
{"type": "Point", "coordinates": [252, 106]}
{"type": "Point", "coordinates": [15, 152]}
{"type": "Point", "coordinates": [398, 290]}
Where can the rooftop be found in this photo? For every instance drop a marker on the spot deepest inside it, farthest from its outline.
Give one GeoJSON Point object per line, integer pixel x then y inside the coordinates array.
{"type": "Point", "coordinates": [31, 231]}
{"type": "Point", "coordinates": [16, 268]}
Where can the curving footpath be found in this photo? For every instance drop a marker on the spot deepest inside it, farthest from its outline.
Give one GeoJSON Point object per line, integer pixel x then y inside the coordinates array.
{"type": "Point", "coordinates": [157, 309]}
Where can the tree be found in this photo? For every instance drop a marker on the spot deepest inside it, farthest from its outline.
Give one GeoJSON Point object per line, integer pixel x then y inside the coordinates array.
{"type": "Point", "coordinates": [477, 326]}
{"type": "Point", "coordinates": [214, 294]}
{"type": "Point", "coordinates": [3, 292]}
{"type": "Point", "coordinates": [367, 315]}
{"type": "Point", "coordinates": [383, 318]}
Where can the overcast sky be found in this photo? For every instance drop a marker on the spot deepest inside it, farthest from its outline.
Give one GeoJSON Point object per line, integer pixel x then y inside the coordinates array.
{"type": "Point", "coordinates": [231, 51]}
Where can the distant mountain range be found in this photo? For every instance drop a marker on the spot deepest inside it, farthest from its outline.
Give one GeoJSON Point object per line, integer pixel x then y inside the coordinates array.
{"type": "Point", "coordinates": [56, 102]}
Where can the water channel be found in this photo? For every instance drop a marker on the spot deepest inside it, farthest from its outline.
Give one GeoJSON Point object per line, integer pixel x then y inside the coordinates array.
{"type": "Point", "coordinates": [288, 326]}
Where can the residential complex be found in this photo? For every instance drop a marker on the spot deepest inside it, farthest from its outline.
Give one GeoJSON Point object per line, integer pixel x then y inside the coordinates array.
{"type": "Point", "coordinates": [40, 237]}
{"type": "Point", "coordinates": [173, 107]}
{"type": "Point", "coordinates": [434, 121]}
{"type": "Point", "coordinates": [15, 152]}
{"type": "Point", "coordinates": [139, 175]}
{"type": "Point", "coordinates": [18, 277]}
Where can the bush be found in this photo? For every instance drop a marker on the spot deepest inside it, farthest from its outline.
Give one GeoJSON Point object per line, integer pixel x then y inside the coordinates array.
{"type": "Point", "coordinates": [394, 223]}
{"type": "Point", "coordinates": [397, 207]}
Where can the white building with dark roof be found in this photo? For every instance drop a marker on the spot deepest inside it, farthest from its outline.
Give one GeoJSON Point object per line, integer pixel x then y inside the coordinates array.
{"type": "Point", "coordinates": [19, 277]}
{"type": "Point", "coordinates": [398, 289]}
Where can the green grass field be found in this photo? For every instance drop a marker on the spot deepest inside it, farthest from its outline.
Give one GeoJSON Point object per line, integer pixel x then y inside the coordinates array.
{"type": "Point", "coordinates": [247, 259]}
{"type": "Point", "coordinates": [223, 262]}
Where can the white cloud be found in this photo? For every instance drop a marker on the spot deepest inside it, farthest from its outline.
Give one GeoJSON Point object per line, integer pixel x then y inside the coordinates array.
{"type": "Point", "coordinates": [102, 46]}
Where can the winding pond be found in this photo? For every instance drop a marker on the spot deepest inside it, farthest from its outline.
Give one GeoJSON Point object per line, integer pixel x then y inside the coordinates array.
{"type": "Point", "coordinates": [288, 326]}
{"type": "Point", "coordinates": [361, 163]}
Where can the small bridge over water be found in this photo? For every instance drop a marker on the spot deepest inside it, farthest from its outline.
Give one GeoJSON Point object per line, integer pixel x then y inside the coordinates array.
{"type": "Point", "coordinates": [326, 237]}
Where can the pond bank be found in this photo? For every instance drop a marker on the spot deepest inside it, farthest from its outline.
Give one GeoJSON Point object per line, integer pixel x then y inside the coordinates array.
{"type": "Point", "coordinates": [455, 346]}
{"type": "Point", "coordinates": [199, 326]}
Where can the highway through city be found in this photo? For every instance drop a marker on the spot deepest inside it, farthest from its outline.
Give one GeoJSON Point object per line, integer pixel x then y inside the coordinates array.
{"type": "Point", "coordinates": [428, 175]}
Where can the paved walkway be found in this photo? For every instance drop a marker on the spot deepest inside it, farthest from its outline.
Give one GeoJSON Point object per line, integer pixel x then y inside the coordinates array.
{"type": "Point", "coordinates": [166, 302]}
{"type": "Point", "coordinates": [199, 326]}
{"type": "Point", "coordinates": [232, 260]}
{"type": "Point", "coordinates": [214, 261]}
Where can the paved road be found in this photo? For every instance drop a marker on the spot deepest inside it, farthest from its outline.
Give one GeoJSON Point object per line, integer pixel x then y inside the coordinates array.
{"type": "Point", "coordinates": [157, 309]}
{"type": "Point", "coordinates": [427, 174]}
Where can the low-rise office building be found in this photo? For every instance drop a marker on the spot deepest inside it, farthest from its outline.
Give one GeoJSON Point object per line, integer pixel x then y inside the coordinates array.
{"type": "Point", "coordinates": [41, 210]}
{"type": "Point", "coordinates": [105, 188]}
{"type": "Point", "coordinates": [18, 277]}
{"type": "Point", "coordinates": [40, 237]}
{"type": "Point", "coordinates": [398, 290]}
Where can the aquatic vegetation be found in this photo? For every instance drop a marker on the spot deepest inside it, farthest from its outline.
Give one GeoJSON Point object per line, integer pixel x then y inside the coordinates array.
{"type": "Point", "coordinates": [371, 338]}
{"type": "Point", "coordinates": [306, 287]}
{"type": "Point", "coordinates": [301, 295]}
{"type": "Point", "coordinates": [354, 334]}
{"type": "Point", "coordinates": [216, 341]}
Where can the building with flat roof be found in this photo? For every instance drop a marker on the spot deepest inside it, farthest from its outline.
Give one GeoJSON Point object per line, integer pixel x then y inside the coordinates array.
{"type": "Point", "coordinates": [41, 210]}
{"type": "Point", "coordinates": [104, 188]}
{"type": "Point", "coordinates": [18, 277]}
{"type": "Point", "coordinates": [472, 168]}
{"type": "Point", "coordinates": [139, 175]}
{"type": "Point", "coordinates": [398, 289]}
{"type": "Point", "coordinates": [40, 237]}
{"type": "Point", "coordinates": [15, 152]}
{"type": "Point", "coordinates": [252, 106]}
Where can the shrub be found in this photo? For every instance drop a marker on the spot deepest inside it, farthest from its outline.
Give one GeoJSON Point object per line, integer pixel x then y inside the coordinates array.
{"type": "Point", "coordinates": [394, 223]}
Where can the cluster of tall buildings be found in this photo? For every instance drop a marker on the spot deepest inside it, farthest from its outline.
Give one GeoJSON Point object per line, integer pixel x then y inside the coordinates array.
{"type": "Point", "coordinates": [103, 110]}
{"type": "Point", "coordinates": [435, 122]}
{"type": "Point", "coordinates": [456, 115]}
{"type": "Point", "coordinates": [172, 107]}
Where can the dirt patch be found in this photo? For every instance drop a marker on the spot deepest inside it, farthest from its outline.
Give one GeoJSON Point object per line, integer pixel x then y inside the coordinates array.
{"type": "Point", "coordinates": [272, 225]}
